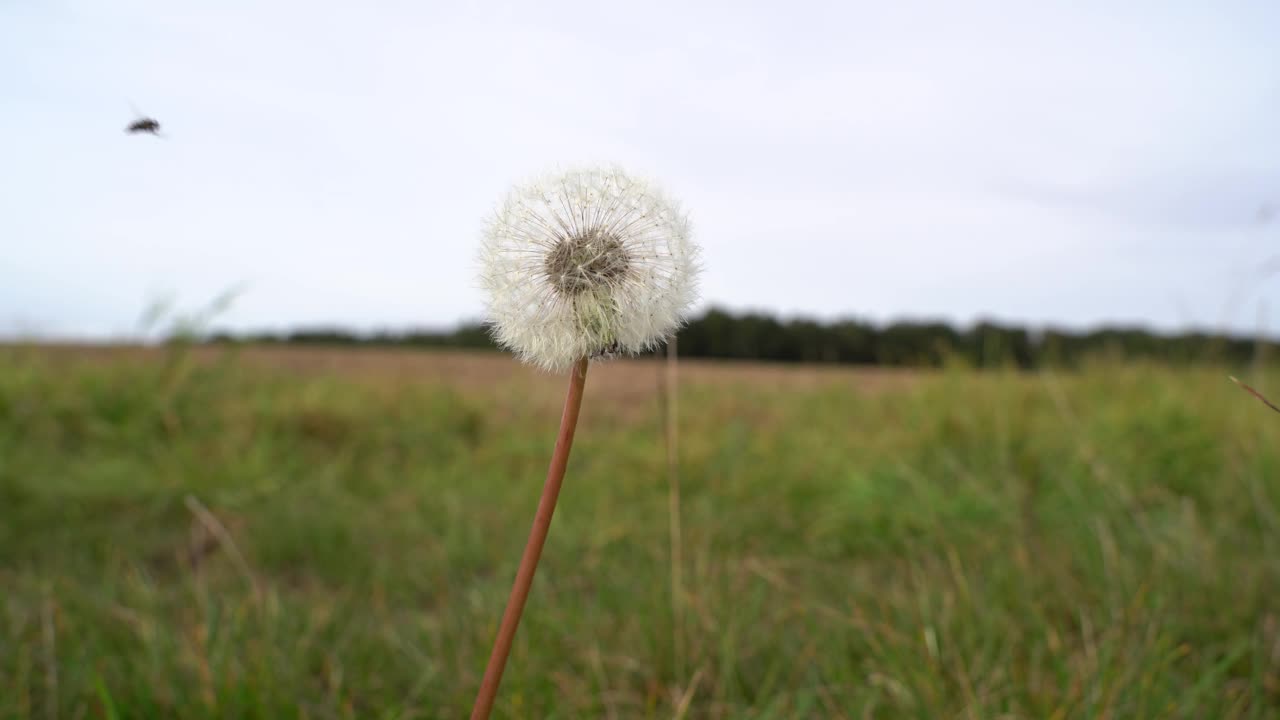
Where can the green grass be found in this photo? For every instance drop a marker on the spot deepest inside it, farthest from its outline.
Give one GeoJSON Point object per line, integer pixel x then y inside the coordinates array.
{"type": "Point", "coordinates": [1100, 544]}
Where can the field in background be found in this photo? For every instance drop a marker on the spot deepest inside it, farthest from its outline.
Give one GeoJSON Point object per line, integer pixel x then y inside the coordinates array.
{"type": "Point", "coordinates": [332, 534]}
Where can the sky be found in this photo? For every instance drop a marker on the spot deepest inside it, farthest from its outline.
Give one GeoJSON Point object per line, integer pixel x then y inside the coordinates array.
{"type": "Point", "coordinates": [1066, 164]}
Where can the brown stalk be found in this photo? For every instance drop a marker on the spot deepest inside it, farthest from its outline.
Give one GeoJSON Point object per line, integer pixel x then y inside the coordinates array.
{"type": "Point", "coordinates": [670, 421]}
{"type": "Point", "coordinates": [1256, 394]}
{"type": "Point", "coordinates": [533, 548]}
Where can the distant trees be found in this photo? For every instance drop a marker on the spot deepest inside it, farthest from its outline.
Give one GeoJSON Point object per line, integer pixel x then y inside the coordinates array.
{"type": "Point", "coordinates": [752, 336]}
{"type": "Point", "coordinates": [756, 336]}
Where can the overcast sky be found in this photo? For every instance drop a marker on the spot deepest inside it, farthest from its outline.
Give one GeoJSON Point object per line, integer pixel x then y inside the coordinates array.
{"type": "Point", "coordinates": [1066, 163]}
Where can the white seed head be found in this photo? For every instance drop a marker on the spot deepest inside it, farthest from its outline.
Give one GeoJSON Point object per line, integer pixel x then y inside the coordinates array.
{"type": "Point", "coordinates": [589, 263]}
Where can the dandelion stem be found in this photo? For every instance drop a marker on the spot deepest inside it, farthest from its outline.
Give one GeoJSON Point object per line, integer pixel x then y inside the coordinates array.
{"type": "Point", "coordinates": [532, 549]}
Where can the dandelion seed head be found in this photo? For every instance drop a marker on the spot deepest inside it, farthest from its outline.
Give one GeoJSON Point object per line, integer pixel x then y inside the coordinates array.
{"type": "Point", "coordinates": [588, 263]}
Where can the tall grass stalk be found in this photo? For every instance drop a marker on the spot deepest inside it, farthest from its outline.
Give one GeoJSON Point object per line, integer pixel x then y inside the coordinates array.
{"type": "Point", "coordinates": [669, 392]}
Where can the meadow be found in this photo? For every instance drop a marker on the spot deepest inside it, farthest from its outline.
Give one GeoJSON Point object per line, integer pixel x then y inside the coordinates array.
{"type": "Point", "coordinates": [287, 533]}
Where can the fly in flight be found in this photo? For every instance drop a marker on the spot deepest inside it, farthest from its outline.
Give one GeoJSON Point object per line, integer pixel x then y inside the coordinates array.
{"type": "Point", "coordinates": [144, 124]}
{"type": "Point", "coordinates": [141, 125]}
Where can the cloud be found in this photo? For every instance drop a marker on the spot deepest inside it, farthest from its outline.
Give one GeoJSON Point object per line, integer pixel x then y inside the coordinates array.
{"type": "Point", "coordinates": [1064, 162]}
{"type": "Point", "coordinates": [1206, 200]}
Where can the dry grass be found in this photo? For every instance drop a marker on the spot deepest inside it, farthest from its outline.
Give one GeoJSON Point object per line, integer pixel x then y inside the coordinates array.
{"type": "Point", "coordinates": [619, 384]}
{"type": "Point", "coordinates": [322, 533]}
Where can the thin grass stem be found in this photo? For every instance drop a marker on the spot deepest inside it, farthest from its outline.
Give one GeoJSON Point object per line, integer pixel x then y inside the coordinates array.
{"type": "Point", "coordinates": [1256, 394]}
{"type": "Point", "coordinates": [671, 427]}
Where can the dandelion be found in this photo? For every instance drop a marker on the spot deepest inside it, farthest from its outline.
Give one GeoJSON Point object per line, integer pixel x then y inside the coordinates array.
{"type": "Point", "coordinates": [585, 265]}
{"type": "Point", "coordinates": [590, 263]}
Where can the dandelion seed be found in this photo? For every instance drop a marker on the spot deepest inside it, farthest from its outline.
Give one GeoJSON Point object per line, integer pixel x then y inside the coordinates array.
{"type": "Point", "coordinates": [590, 263]}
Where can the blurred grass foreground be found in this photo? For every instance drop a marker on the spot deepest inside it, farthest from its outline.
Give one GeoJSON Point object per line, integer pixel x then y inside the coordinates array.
{"type": "Point", "coordinates": [284, 533]}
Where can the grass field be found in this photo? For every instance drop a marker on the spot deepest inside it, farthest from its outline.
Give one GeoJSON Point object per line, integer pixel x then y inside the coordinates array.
{"type": "Point", "coordinates": [326, 534]}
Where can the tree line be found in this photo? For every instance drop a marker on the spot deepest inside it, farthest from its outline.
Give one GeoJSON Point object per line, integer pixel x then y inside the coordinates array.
{"type": "Point", "coordinates": [723, 334]}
